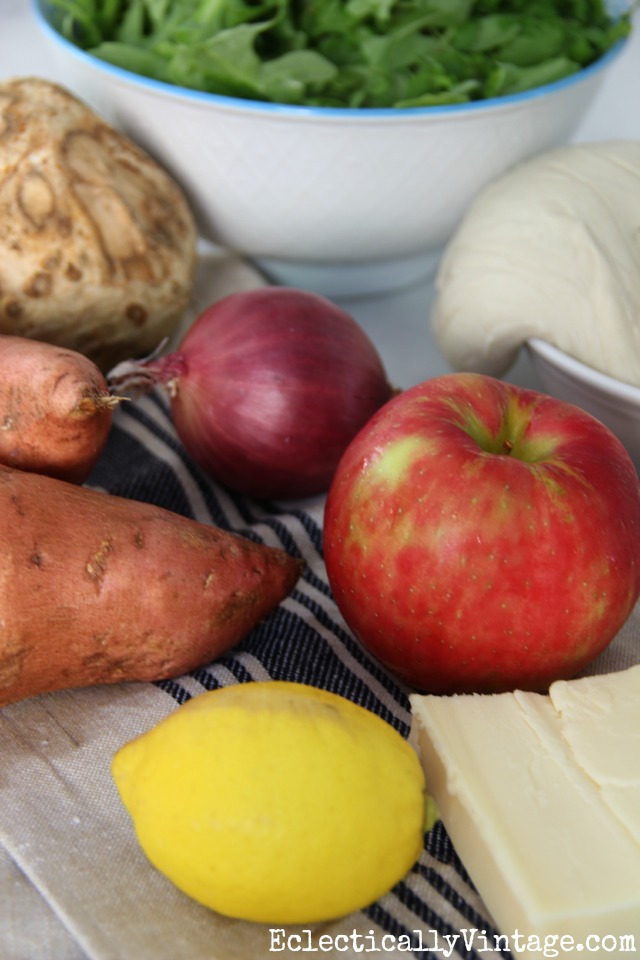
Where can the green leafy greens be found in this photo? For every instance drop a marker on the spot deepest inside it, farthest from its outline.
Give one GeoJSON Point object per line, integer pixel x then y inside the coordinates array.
{"type": "Point", "coordinates": [346, 53]}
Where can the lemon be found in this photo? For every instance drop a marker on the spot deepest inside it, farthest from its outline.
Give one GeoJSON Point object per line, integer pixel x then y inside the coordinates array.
{"type": "Point", "coordinates": [275, 802]}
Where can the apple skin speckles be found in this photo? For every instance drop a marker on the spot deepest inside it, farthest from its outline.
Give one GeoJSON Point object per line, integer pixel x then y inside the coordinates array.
{"type": "Point", "coordinates": [496, 546]}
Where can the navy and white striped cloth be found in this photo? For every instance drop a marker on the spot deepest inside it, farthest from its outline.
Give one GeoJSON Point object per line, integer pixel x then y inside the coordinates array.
{"type": "Point", "coordinates": [304, 640]}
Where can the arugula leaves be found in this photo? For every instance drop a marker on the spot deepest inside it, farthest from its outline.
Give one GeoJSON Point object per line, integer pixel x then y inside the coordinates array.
{"type": "Point", "coordinates": [346, 53]}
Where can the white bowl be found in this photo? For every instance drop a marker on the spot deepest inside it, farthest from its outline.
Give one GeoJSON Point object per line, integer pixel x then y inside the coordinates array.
{"type": "Point", "coordinates": [614, 403]}
{"type": "Point", "coordinates": [307, 186]}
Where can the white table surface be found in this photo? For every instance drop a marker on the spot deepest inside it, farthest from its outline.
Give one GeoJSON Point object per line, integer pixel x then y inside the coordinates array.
{"type": "Point", "coordinates": [409, 358]}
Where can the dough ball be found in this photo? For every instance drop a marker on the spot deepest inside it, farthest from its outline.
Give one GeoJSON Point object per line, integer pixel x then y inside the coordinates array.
{"type": "Point", "coordinates": [550, 249]}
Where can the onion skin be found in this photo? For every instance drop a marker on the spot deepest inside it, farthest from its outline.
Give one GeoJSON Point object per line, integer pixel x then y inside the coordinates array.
{"type": "Point", "coordinates": [269, 387]}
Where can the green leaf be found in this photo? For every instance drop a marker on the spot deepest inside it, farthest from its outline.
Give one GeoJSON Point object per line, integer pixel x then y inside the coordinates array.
{"type": "Point", "coordinates": [288, 78]}
{"type": "Point", "coordinates": [136, 59]}
{"type": "Point", "coordinates": [157, 12]}
{"type": "Point", "coordinates": [377, 10]}
{"type": "Point", "coordinates": [488, 33]}
{"type": "Point", "coordinates": [507, 78]}
{"type": "Point", "coordinates": [535, 42]}
{"type": "Point", "coordinates": [399, 50]}
{"type": "Point", "coordinates": [77, 21]}
{"type": "Point", "coordinates": [460, 93]}
{"type": "Point", "coordinates": [132, 26]}
{"type": "Point", "coordinates": [438, 15]}
{"type": "Point", "coordinates": [227, 63]}
{"type": "Point", "coordinates": [321, 18]}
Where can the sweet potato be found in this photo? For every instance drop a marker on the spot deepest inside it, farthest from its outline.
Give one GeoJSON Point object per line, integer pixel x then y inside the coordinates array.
{"type": "Point", "coordinates": [55, 409]}
{"type": "Point", "coordinates": [97, 589]}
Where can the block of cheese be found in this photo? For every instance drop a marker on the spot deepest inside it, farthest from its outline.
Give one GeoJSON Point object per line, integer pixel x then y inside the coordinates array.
{"type": "Point", "coordinates": [541, 798]}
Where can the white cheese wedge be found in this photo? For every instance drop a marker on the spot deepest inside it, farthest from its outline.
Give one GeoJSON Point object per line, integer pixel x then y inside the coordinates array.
{"type": "Point", "coordinates": [540, 796]}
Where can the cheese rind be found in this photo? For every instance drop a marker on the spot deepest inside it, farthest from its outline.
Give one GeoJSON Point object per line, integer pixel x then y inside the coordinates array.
{"type": "Point", "coordinates": [550, 852]}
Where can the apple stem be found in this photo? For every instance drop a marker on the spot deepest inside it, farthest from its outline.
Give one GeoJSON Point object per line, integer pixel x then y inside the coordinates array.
{"type": "Point", "coordinates": [508, 446]}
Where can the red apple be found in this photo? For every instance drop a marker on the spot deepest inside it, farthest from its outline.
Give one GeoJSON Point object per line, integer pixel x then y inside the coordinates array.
{"type": "Point", "coordinates": [483, 537]}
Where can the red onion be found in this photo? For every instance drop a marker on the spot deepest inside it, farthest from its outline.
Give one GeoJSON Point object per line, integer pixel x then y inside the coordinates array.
{"type": "Point", "coordinates": [268, 388]}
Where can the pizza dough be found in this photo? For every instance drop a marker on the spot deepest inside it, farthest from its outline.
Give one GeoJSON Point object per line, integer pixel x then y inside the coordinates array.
{"type": "Point", "coordinates": [550, 249]}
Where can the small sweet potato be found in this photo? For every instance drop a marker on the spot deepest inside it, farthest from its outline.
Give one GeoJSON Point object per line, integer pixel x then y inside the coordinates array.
{"type": "Point", "coordinates": [97, 589]}
{"type": "Point", "coordinates": [55, 409]}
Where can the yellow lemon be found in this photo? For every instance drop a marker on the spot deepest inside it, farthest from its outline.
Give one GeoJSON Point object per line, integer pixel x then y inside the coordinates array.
{"type": "Point", "coordinates": [275, 802]}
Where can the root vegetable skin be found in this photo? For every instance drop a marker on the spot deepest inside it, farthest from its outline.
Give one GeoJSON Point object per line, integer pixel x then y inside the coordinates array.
{"type": "Point", "coordinates": [55, 409]}
{"type": "Point", "coordinates": [98, 589]}
{"type": "Point", "coordinates": [97, 241]}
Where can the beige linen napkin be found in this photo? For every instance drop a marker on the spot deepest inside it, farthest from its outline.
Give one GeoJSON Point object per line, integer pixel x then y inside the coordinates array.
{"type": "Point", "coordinates": [27, 922]}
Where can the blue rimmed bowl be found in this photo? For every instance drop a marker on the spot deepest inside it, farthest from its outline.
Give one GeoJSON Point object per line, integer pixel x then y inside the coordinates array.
{"type": "Point", "coordinates": [323, 186]}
